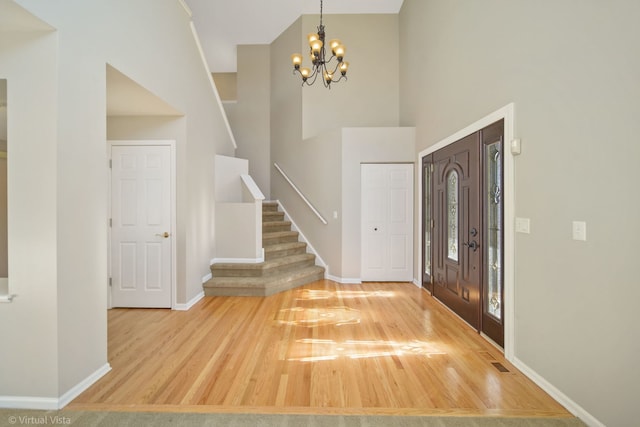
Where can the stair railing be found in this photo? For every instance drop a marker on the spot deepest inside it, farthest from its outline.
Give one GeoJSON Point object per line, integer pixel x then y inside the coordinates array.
{"type": "Point", "coordinates": [297, 190]}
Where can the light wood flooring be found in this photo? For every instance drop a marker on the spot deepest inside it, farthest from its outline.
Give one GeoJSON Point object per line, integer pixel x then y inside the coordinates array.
{"type": "Point", "coordinates": [375, 348]}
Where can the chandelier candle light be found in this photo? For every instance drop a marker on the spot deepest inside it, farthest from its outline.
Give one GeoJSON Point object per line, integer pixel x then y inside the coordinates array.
{"type": "Point", "coordinates": [320, 63]}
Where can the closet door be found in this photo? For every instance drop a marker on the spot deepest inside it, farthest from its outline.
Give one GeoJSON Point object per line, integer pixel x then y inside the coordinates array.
{"type": "Point", "coordinates": [387, 222]}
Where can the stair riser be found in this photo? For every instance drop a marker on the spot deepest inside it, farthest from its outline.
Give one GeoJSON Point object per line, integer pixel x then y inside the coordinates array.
{"type": "Point", "coordinates": [223, 289]}
{"type": "Point", "coordinates": [270, 218]}
{"type": "Point", "coordinates": [268, 256]}
{"type": "Point", "coordinates": [262, 273]}
{"type": "Point", "coordinates": [268, 207]}
{"type": "Point", "coordinates": [279, 227]}
{"type": "Point", "coordinates": [268, 240]}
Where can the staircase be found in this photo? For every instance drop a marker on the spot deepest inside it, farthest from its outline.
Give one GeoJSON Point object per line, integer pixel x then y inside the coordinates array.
{"type": "Point", "coordinates": [286, 264]}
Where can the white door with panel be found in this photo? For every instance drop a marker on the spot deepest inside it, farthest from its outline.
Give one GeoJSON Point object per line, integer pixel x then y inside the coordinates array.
{"type": "Point", "coordinates": [387, 222]}
{"type": "Point", "coordinates": [141, 258]}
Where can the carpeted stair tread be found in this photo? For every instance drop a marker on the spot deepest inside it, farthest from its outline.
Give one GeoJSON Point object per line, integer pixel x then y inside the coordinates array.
{"type": "Point", "coordinates": [267, 268]}
{"type": "Point", "coordinates": [272, 226]}
{"type": "Point", "coordinates": [271, 238]}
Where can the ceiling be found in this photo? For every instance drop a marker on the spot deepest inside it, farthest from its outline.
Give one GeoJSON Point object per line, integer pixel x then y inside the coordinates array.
{"type": "Point", "coordinates": [222, 24]}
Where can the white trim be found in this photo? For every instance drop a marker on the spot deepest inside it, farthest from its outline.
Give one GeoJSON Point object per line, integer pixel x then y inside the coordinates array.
{"type": "Point", "coordinates": [7, 298]}
{"type": "Point", "coordinates": [51, 403]}
{"type": "Point", "coordinates": [310, 248]}
{"type": "Point", "coordinates": [186, 8]}
{"type": "Point", "coordinates": [190, 303]}
{"type": "Point", "coordinates": [174, 224]}
{"type": "Point", "coordinates": [27, 402]}
{"type": "Point", "coordinates": [206, 278]}
{"type": "Point", "coordinates": [297, 190]}
{"type": "Point", "coordinates": [506, 113]}
{"type": "Point", "coordinates": [251, 185]}
{"type": "Point", "coordinates": [213, 84]}
{"type": "Point", "coordinates": [416, 282]}
{"type": "Point", "coordinates": [559, 396]}
{"type": "Point", "coordinates": [343, 280]}
{"type": "Point", "coordinates": [76, 390]}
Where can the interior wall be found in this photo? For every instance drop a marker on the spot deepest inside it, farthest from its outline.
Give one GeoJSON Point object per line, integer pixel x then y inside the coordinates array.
{"type": "Point", "coordinates": [120, 33]}
{"type": "Point", "coordinates": [29, 350]}
{"type": "Point", "coordinates": [252, 118]}
{"type": "Point", "coordinates": [306, 122]}
{"type": "Point", "coordinates": [370, 96]}
{"type": "Point", "coordinates": [568, 69]}
{"type": "Point", "coordinates": [366, 145]}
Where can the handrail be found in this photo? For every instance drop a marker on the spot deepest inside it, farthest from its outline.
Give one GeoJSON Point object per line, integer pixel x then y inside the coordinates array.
{"type": "Point", "coordinates": [252, 187]}
{"type": "Point", "coordinates": [315, 211]}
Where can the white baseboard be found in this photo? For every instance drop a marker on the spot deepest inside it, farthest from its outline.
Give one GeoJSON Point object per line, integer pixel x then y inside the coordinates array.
{"type": "Point", "coordinates": [26, 402]}
{"type": "Point", "coordinates": [191, 303]}
{"type": "Point", "coordinates": [562, 398]}
{"type": "Point", "coordinates": [343, 280]}
{"type": "Point", "coordinates": [206, 278]}
{"type": "Point", "coordinates": [51, 403]}
{"type": "Point", "coordinates": [75, 391]}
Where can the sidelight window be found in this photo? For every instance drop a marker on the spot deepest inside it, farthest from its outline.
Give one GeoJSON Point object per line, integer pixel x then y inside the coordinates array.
{"type": "Point", "coordinates": [493, 230]}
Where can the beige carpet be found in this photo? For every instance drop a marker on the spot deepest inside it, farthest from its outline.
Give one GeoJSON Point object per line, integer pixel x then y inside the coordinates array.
{"type": "Point", "coordinates": [19, 417]}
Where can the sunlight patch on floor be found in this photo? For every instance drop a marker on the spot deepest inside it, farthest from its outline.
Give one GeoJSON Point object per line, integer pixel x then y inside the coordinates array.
{"type": "Point", "coordinates": [313, 350]}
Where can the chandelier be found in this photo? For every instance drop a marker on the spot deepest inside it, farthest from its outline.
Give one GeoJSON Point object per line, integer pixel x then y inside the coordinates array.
{"type": "Point", "coordinates": [320, 64]}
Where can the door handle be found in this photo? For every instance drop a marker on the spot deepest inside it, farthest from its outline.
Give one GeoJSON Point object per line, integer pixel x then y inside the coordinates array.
{"type": "Point", "coordinates": [165, 234]}
{"type": "Point", "coordinates": [472, 245]}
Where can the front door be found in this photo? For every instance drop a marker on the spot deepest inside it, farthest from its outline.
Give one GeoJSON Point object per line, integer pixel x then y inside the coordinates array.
{"type": "Point", "coordinates": [463, 223]}
{"type": "Point", "coordinates": [457, 237]}
{"type": "Point", "coordinates": [141, 234]}
{"type": "Point", "coordinates": [387, 222]}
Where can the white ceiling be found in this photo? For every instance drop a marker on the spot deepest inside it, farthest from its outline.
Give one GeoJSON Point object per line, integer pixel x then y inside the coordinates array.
{"type": "Point", "coordinates": [224, 24]}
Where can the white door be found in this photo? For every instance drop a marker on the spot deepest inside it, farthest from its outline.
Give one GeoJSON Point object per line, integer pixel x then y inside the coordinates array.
{"type": "Point", "coordinates": [387, 222]}
{"type": "Point", "coordinates": [141, 221]}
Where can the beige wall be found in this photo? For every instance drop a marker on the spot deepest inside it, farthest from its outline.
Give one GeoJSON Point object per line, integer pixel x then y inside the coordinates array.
{"type": "Point", "coordinates": [569, 69]}
{"type": "Point", "coordinates": [29, 352]}
{"type": "Point", "coordinates": [227, 85]}
{"type": "Point", "coordinates": [251, 115]}
{"type": "Point", "coordinates": [370, 96]}
{"type": "Point", "coordinates": [60, 254]}
{"type": "Point", "coordinates": [307, 122]}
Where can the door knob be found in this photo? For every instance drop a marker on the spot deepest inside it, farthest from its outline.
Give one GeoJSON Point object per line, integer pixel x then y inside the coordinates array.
{"type": "Point", "coordinates": [472, 245]}
{"type": "Point", "coordinates": [165, 234]}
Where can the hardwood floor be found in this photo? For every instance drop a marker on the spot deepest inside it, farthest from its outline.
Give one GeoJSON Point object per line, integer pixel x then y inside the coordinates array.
{"type": "Point", "coordinates": [375, 348]}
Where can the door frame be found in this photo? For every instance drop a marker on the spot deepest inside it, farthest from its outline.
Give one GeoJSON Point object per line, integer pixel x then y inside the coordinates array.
{"type": "Point", "coordinates": [141, 143]}
{"type": "Point", "coordinates": [505, 113]}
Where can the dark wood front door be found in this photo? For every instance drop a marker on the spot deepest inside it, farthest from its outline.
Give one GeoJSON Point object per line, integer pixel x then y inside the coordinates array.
{"type": "Point", "coordinates": [463, 219]}
{"type": "Point", "coordinates": [457, 237]}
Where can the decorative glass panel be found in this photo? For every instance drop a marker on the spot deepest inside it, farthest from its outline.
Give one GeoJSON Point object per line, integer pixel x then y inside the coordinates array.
{"type": "Point", "coordinates": [427, 219]}
{"type": "Point", "coordinates": [493, 231]}
{"type": "Point", "coordinates": [452, 215]}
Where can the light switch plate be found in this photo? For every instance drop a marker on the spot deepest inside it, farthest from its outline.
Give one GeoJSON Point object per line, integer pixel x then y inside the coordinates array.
{"type": "Point", "coordinates": [523, 225]}
{"type": "Point", "coordinates": [579, 230]}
